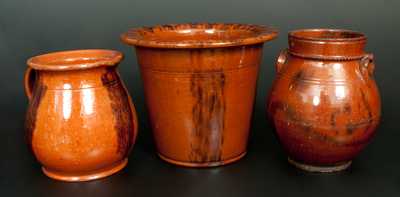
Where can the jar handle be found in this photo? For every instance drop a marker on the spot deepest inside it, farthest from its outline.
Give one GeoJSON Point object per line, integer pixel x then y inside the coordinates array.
{"type": "Point", "coordinates": [29, 81]}
{"type": "Point", "coordinates": [281, 60]}
{"type": "Point", "coordinates": [367, 65]}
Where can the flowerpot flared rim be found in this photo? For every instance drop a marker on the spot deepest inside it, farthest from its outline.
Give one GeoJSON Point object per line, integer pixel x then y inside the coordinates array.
{"type": "Point", "coordinates": [75, 59]}
{"type": "Point", "coordinates": [327, 35]}
{"type": "Point", "coordinates": [198, 35]}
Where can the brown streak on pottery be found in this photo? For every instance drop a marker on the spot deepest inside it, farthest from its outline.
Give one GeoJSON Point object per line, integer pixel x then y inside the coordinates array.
{"type": "Point", "coordinates": [324, 105]}
{"type": "Point", "coordinates": [121, 111]}
{"type": "Point", "coordinates": [80, 121]}
{"type": "Point", "coordinates": [200, 85]}
{"type": "Point", "coordinates": [208, 117]}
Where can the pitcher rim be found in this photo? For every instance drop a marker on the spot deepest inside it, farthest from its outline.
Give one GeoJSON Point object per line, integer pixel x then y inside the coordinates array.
{"type": "Point", "coordinates": [75, 59]}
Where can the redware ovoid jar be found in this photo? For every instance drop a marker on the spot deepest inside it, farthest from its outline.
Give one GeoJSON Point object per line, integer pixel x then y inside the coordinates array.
{"type": "Point", "coordinates": [324, 103]}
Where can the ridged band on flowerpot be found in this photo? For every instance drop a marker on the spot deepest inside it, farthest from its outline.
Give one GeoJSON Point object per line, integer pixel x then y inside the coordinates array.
{"type": "Point", "coordinates": [324, 103]}
{"type": "Point", "coordinates": [81, 123]}
{"type": "Point", "coordinates": [200, 84]}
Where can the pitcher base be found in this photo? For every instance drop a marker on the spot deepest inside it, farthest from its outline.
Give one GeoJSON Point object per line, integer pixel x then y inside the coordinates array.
{"type": "Point", "coordinates": [85, 177]}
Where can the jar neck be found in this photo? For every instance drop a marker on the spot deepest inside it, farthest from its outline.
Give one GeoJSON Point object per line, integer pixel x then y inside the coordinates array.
{"type": "Point", "coordinates": [77, 79]}
{"type": "Point", "coordinates": [327, 49]}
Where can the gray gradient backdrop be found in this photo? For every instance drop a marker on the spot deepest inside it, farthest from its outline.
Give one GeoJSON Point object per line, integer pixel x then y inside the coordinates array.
{"type": "Point", "coordinates": [29, 28]}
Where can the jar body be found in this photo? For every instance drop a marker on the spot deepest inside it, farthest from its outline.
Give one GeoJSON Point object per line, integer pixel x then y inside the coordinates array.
{"type": "Point", "coordinates": [325, 111]}
{"type": "Point", "coordinates": [81, 124]}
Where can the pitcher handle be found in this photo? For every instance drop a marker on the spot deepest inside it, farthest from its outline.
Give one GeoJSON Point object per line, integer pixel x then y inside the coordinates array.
{"type": "Point", "coordinates": [135, 118]}
{"type": "Point", "coordinates": [29, 81]}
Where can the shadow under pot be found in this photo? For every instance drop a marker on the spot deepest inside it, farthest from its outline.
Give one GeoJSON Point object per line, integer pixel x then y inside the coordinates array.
{"type": "Point", "coordinates": [324, 103]}
{"type": "Point", "coordinates": [200, 84]}
{"type": "Point", "coordinates": [81, 123]}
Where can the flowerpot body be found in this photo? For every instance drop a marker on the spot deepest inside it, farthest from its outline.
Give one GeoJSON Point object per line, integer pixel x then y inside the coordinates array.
{"type": "Point", "coordinates": [81, 123]}
{"type": "Point", "coordinates": [199, 89]}
{"type": "Point", "coordinates": [324, 103]}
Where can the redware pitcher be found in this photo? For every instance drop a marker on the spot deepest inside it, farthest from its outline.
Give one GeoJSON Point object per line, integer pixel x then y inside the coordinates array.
{"type": "Point", "coordinates": [81, 123]}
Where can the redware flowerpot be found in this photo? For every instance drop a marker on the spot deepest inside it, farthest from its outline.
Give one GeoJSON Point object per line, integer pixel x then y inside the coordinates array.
{"type": "Point", "coordinates": [81, 123]}
{"type": "Point", "coordinates": [200, 83]}
{"type": "Point", "coordinates": [324, 103]}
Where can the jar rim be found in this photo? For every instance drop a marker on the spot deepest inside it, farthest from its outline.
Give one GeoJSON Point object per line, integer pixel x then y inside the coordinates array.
{"type": "Point", "coordinates": [327, 35]}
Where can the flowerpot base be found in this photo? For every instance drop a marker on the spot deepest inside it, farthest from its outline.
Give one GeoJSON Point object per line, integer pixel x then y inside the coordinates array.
{"type": "Point", "coordinates": [203, 164]}
{"type": "Point", "coordinates": [321, 169]}
{"type": "Point", "coordinates": [85, 177]}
